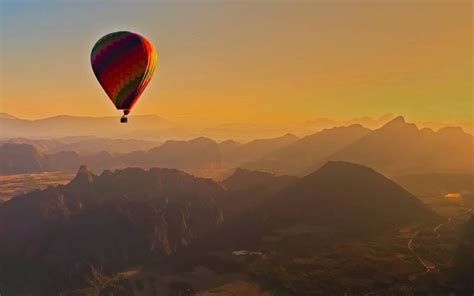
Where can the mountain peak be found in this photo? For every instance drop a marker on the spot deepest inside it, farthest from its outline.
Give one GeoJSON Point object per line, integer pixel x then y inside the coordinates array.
{"type": "Point", "coordinates": [83, 170]}
{"type": "Point", "coordinates": [397, 123]}
{"type": "Point", "coordinates": [397, 120]}
{"type": "Point", "coordinates": [355, 126]}
{"type": "Point", "coordinates": [451, 130]}
{"type": "Point", "coordinates": [84, 175]}
{"type": "Point", "coordinates": [337, 164]}
{"type": "Point", "coordinates": [239, 172]}
{"type": "Point", "coordinates": [202, 140]}
{"type": "Point", "coordinates": [332, 165]}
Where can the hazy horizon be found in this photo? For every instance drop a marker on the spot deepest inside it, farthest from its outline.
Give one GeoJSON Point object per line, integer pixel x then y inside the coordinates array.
{"type": "Point", "coordinates": [247, 62]}
{"type": "Point", "coordinates": [303, 127]}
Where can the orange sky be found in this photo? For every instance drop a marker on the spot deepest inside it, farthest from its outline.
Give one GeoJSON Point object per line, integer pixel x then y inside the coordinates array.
{"type": "Point", "coordinates": [260, 62]}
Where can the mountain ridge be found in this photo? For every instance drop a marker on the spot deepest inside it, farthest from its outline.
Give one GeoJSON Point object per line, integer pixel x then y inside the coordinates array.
{"type": "Point", "coordinates": [401, 148]}
{"type": "Point", "coordinates": [115, 219]}
{"type": "Point", "coordinates": [338, 188]}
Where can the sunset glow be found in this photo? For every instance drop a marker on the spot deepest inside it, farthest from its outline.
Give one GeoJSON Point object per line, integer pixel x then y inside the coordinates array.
{"type": "Point", "coordinates": [248, 62]}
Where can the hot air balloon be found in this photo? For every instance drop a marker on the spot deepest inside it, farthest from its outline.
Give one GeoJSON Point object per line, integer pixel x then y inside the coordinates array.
{"type": "Point", "coordinates": [124, 63]}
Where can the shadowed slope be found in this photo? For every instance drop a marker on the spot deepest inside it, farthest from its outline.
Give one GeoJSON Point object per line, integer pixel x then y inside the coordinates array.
{"type": "Point", "coordinates": [347, 197]}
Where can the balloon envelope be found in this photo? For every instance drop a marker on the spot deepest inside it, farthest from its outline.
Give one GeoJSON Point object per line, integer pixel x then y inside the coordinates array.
{"type": "Point", "coordinates": [124, 63]}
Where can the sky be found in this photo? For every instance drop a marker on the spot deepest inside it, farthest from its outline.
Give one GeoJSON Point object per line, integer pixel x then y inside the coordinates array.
{"type": "Point", "coordinates": [247, 61]}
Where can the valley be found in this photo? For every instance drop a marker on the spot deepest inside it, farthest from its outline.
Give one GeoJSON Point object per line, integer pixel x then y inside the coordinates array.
{"type": "Point", "coordinates": [12, 185]}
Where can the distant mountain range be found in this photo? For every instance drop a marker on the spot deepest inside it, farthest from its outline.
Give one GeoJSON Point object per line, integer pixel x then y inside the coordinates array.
{"type": "Point", "coordinates": [156, 128]}
{"type": "Point", "coordinates": [196, 154]}
{"type": "Point", "coordinates": [67, 126]}
{"type": "Point", "coordinates": [401, 148]}
{"type": "Point", "coordinates": [299, 155]}
{"type": "Point", "coordinates": [397, 148]}
{"type": "Point", "coordinates": [188, 155]}
{"type": "Point", "coordinates": [372, 123]}
{"type": "Point", "coordinates": [153, 127]}
{"type": "Point", "coordinates": [85, 144]}
{"type": "Point", "coordinates": [235, 154]}
{"type": "Point", "coordinates": [119, 219]}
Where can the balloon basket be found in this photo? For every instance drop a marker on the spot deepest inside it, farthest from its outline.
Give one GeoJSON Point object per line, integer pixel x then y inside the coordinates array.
{"type": "Point", "coordinates": [123, 119]}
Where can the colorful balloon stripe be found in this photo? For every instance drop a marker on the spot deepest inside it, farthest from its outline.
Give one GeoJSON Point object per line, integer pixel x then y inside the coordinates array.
{"type": "Point", "coordinates": [124, 63]}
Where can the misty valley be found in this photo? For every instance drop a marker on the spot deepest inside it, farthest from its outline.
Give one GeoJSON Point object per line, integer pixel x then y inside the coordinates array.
{"type": "Point", "coordinates": [348, 210]}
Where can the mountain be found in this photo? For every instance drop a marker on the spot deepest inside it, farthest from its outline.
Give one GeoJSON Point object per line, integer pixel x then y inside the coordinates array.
{"type": "Point", "coordinates": [63, 161]}
{"type": "Point", "coordinates": [244, 132]}
{"type": "Point", "coordinates": [188, 155]}
{"type": "Point", "coordinates": [112, 220]}
{"type": "Point", "coordinates": [21, 158]}
{"type": "Point", "coordinates": [24, 159]}
{"type": "Point", "coordinates": [234, 154]}
{"type": "Point", "coordinates": [398, 148]}
{"type": "Point", "coordinates": [229, 147]}
{"type": "Point", "coordinates": [346, 197]}
{"type": "Point", "coordinates": [159, 219]}
{"type": "Point", "coordinates": [369, 122]}
{"type": "Point", "coordinates": [401, 148]}
{"type": "Point", "coordinates": [246, 190]}
{"type": "Point", "coordinates": [199, 153]}
{"type": "Point", "coordinates": [196, 155]}
{"type": "Point", "coordinates": [295, 158]}
{"type": "Point", "coordinates": [338, 202]}
{"type": "Point", "coordinates": [65, 125]}
{"type": "Point", "coordinates": [243, 179]}
{"type": "Point", "coordinates": [467, 125]}
{"type": "Point", "coordinates": [85, 144]}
